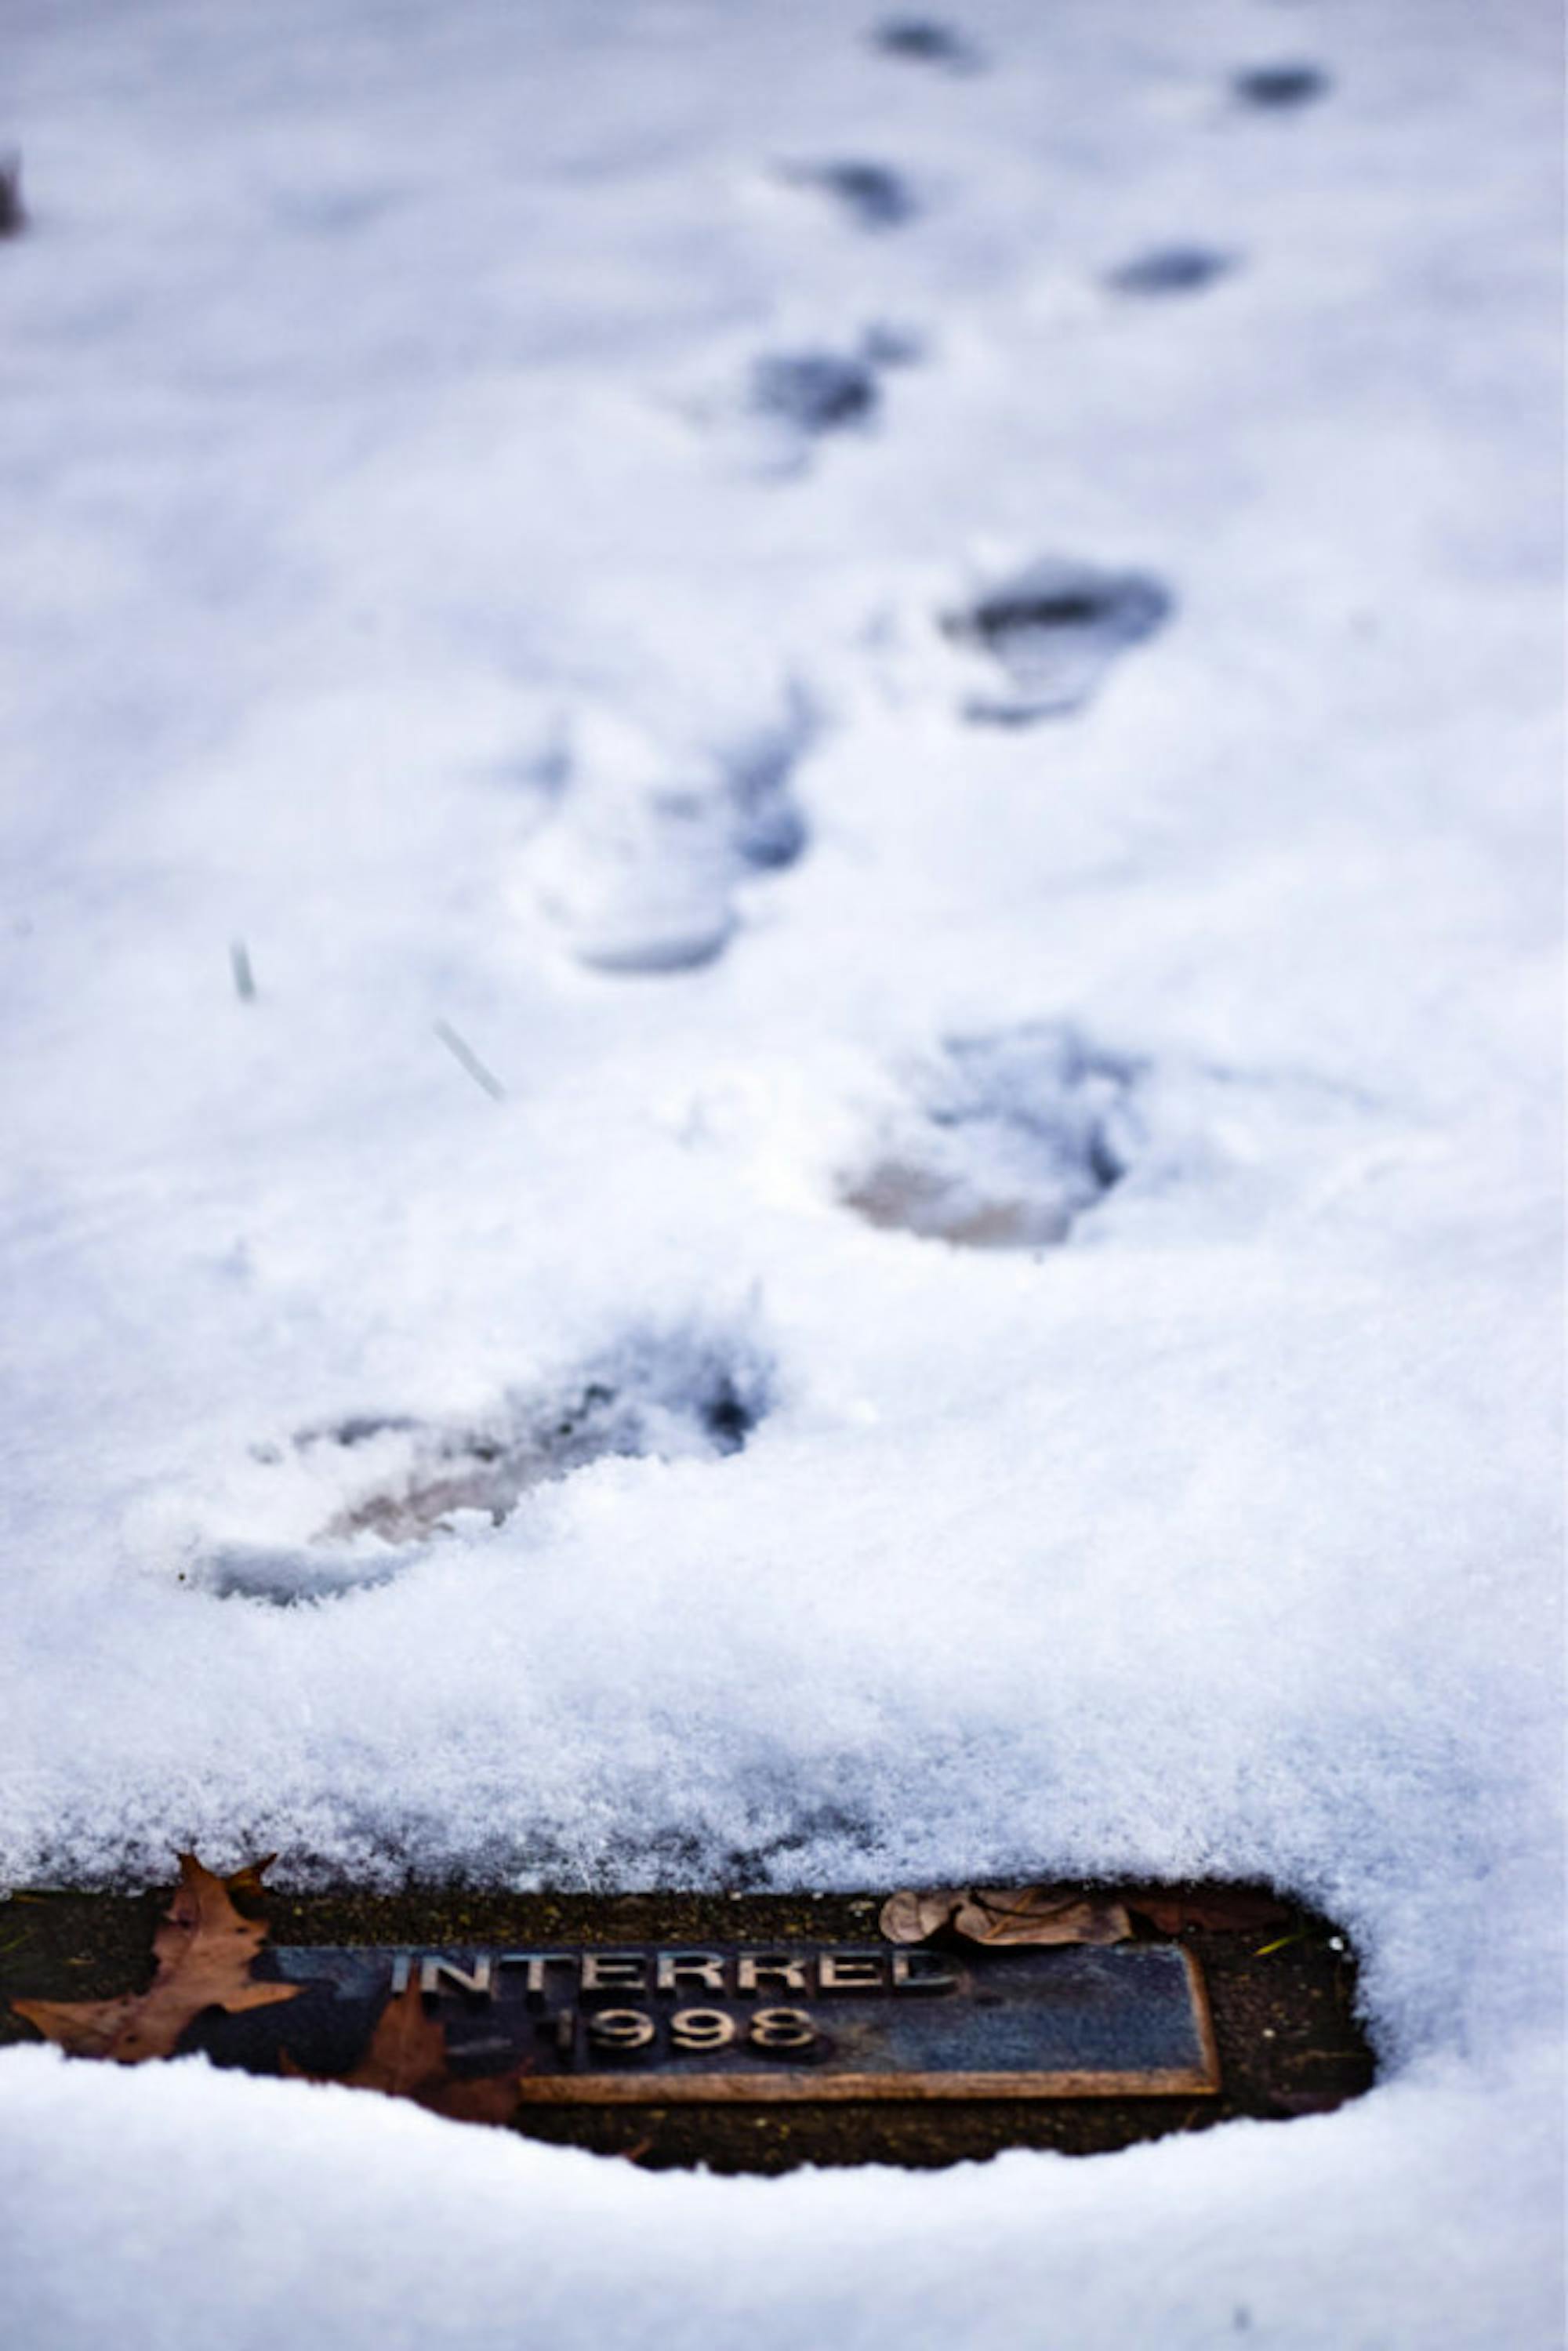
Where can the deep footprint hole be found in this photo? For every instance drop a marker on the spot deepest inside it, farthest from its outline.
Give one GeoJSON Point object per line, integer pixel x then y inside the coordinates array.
{"type": "Point", "coordinates": [404, 1480]}
{"type": "Point", "coordinates": [1009, 1140]}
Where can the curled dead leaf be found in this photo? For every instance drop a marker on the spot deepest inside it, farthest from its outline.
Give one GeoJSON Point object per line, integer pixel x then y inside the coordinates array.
{"type": "Point", "coordinates": [204, 1949]}
{"type": "Point", "coordinates": [1041, 1914]}
{"type": "Point", "coordinates": [1031, 1915]}
{"type": "Point", "coordinates": [910, 1918]}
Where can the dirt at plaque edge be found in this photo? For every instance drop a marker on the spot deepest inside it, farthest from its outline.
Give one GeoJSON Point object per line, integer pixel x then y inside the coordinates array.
{"type": "Point", "coordinates": [1282, 1995]}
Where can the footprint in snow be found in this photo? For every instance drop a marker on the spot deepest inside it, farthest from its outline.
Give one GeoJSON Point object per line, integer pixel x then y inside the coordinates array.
{"type": "Point", "coordinates": [815, 391]}
{"type": "Point", "coordinates": [1171, 270]}
{"type": "Point", "coordinates": [1007, 1140]}
{"type": "Point", "coordinates": [1278, 89]}
{"type": "Point", "coordinates": [926, 41]}
{"type": "Point", "coordinates": [1046, 637]}
{"type": "Point", "coordinates": [789, 400]}
{"type": "Point", "coordinates": [639, 865]}
{"type": "Point", "coordinates": [887, 345]}
{"type": "Point", "coordinates": [871, 195]}
{"type": "Point", "coordinates": [378, 1486]}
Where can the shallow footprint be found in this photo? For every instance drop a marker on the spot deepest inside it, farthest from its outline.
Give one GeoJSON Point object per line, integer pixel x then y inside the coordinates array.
{"type": "Point", "coordinates": [1171, 270]}
{"type": "Point", "coordinates": [640, 884]}
{"type": "Point", "coordinates": [1009, 1138]}
{"type": "Point", "coordinates": [639, 867]}
{"type": "Point", "coordinates": [1053, 631]}
{"type": "Point", "coordinates": [926, 41]}
{"type": "Point", "coordinates": [1279, 88]}
{"type": "Point", "coordinates": [873, 195]}
{"type": "Point", "coordinates": [815, 391]}
{"type": "Point", "coordinates": [400, 1480]}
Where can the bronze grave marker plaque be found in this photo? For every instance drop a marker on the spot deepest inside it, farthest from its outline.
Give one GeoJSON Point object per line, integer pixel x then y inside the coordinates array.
{"type": "Point", "coordinates": [910, 2043]}
{"type": "Point", "coordinates": [664, 2025]}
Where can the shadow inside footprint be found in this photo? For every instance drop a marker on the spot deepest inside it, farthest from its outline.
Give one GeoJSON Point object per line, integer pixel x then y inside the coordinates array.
{"type": "Point", "coordinates": [873, 196]}
{"type": "Point", "coordinates": [1171, 270]}
{"type": "Point", "coordinates": [12, 211]}
{"type": "Point", "coordinates": [334, 211]}
{"type": "Point", "coordinates": [800, 397]}
{"type": "Point", "coordinates": [403, 1480]}
{"type": "Point", "coordinates": [767, 826]}
{"type": "Point", "coordinates": [1054, 630]}
{"type": "Point", "coordinates": [925, 41]}
{"type": "Point", "coordinates": [815, 391]}
{"type": "Point", "coordinates": [1011, 1137]}
{"type": "Point", "coordinates": [1279, 89]}
{"type": "Point", "coordinates": [888, 344]}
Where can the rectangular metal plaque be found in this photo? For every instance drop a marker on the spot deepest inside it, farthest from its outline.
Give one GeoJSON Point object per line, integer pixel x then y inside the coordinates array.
{"type": "Point", "coordinates": [660, 2026]}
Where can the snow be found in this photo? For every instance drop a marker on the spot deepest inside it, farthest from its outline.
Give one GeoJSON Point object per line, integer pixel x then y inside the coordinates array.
{"type": "Point", "coordinates": [249, 2213]}
{"type": "Point", "coordinates": [499, 548]}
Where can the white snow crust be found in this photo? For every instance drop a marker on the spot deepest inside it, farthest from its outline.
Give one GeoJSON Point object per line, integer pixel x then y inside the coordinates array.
{"type": "Point", "coordinates": [676, 1214]}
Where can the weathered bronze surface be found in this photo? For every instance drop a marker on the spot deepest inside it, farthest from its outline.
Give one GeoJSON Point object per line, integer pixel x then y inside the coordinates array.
{"type": "Point", "coordinates": [731, 2023]}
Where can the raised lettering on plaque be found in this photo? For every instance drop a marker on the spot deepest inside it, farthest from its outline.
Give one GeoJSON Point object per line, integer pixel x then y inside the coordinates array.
{"type": "Point", "coordinates": [669, 2025]}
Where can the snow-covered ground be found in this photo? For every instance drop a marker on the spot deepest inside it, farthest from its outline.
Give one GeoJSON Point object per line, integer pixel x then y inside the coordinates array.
{"type": "Point", "coordinates": [780, 1005]}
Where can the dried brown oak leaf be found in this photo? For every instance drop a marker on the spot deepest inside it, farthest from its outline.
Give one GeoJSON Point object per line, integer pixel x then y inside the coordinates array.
{"type": "Point", "coordinates": [204, 1949]}
{"type": "Point", "coordinates": [406, 2058]}
{"type": "Point", "coordinates": [1036, 1914]}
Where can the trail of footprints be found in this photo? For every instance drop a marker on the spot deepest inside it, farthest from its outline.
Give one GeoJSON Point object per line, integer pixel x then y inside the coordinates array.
{"type": "Point", "coordinates": [383, 1485]}
{"type": "Point", "coordinates": [1005, 1140]}
{"type": "Point", "coordinates": [641, 862]}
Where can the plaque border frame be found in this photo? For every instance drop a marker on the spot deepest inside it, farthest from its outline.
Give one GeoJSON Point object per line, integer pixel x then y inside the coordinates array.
{"type": "Point", "coordinates": [801, 2086]}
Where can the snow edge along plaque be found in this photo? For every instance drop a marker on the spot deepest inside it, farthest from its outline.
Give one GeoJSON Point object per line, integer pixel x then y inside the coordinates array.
{"type": "Point", "coordinates": [726, 2022]}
